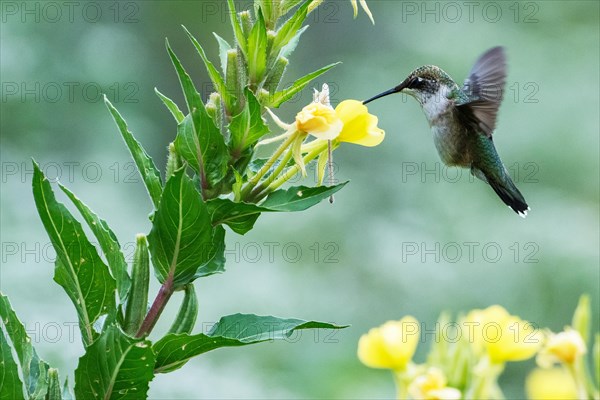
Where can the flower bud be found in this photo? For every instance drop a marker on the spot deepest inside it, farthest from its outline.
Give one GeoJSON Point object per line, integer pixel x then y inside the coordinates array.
{"type": "Point", "coordinates": [137, 303]}
{"type": "Point", "coordinates": [276, 74]}
{"type": "Point", "coordinates": [186, 317]}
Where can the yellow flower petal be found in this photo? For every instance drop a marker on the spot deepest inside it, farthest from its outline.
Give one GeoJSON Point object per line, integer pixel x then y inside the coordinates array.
{"type": "Point", "coordinates": [319, 121]}
{"type": "Point", "coordinates": [360, 127]}
{"type": "Point", "coordinates": [432, 386]}
{"type": "Point", "coordinates": [392, 345]}
{"type": "Point", "coordinates": [550, 384]}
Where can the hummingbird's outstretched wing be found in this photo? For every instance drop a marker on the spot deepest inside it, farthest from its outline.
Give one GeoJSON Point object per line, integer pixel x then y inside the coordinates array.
{"type": "Point", "coordinates": [484, 89]}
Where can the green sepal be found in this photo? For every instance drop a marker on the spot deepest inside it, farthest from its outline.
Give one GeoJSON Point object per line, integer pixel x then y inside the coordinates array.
{"type": "Point", "coordinates": [137, 303]}
{"type": "Point", "coordinates": [174, 350]}
{"type": "Point", "coordinates": [280, 97]}
{"type": "Point", "coordinates": [188, 312]}
{"type": "Point", "coordinates": [143, 161]}
{"type": "Point", "coordinates": [115, 367]}
{"type": "Point", "coordinates": [79, 269]}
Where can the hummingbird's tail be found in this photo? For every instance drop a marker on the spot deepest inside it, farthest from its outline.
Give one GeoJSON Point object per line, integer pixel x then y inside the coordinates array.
{"type": "Point", "coordinates": [505, 189]}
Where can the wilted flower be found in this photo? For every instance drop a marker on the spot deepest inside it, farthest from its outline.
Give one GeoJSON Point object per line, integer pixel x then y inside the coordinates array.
{"type": "Point", "coordinates": [392, 345]}
{"type": "Point", "coordinates": [360, 127]}
{"type": "Point", "coordinates": [432, 386]}
{"type": "Point", "coordinates": [565, 347]}
{"type": "Point", "coordinates": [550, 384]}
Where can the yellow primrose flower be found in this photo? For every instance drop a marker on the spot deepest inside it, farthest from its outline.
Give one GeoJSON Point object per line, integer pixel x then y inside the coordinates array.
{"type": "Point", "coordinates": [365, 7]}
{"type": "Point", "coordinates": [360, 127]}
{"type": "Point", "coordinates": [566, 347]}
{"type": "Point", "coordinates": [319, 120]}
{"type": "Point", "coordinates": [550, 384]}
{"type": "Point", "coordinates": [392, 345]}
{"type": "Point", "coordinates": [503, 337]}
{"type": "Point", "coordinates": [432, 386]}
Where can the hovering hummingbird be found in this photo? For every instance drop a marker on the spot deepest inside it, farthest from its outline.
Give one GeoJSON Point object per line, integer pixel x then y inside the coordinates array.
{"type": "Point", "coordinates": [463, 119]}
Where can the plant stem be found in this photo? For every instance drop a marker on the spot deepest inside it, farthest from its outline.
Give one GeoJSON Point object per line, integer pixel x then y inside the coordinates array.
{"type": "Point", "coordinates": [265, 168]}
{"type": "Point", "coordinates": [290, 173]}
{"type": "Point", "coordinates": [161, 300]}
{"type": "Point", "coordinates": [264, 184]}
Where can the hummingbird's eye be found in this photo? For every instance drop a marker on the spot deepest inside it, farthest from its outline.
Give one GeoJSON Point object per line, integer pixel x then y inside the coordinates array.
{"type": "Point", "coordinates": [417, 83]}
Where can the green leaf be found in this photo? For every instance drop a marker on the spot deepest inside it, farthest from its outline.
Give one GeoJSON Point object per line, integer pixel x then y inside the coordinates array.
{"type": "Point", "coordinates": [170, 104]}
{"type": "Point", "coordinates": [224, 47]}
{"type": "Point", "coordinates": [11, 386]}
{"type": "Point", "coordinates": [181, 240]}
{"type": "Point", "coordinates": [108, 243]}
{"type": "Point", "coordinates": [188, 312]}
{"type": "Point", "coordinates": [248, 126]}
{"type": "Point", "coordinates": [33, 371]}
{"type": "Point", "coordinates": [215, 77]}
{"type": "Point", "coordinates": [174, 350]}
{"type": "Point", "coordinates": [291, 27]}
{"type": "Point", "coordinates": [284, 95]}
{"type": "Point", "coordinates": [216, 265]}
{"type": "Point", "coordinates": [237, 28]}
{"type": "Point", "coordinates": [257, 50]}
{"type": "Point", "coordinates": [289, 48]}
{"type": "Point", "coordinates": [240, 217]}
{"type": "Point", "coordinates": [115, 367]}
{"type": "Point", "coordinates": [299, 198]}
{"type": "Point", "coordinates": [200, 143]}
{"type": "Point", "coordinates": [287, 5]}
{"type": "Point", "coordinates": [145, 165]}
{"type": "Point", "coordinates": [79, 269]}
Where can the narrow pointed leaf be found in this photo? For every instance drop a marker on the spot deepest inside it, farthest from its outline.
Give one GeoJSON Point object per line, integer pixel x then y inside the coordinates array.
{"type": "Point", "coordinates": [174, 350]}
{"type": "Point", "coordinates": [248, 126]}
{"type": "Point", "coordinates": [224, 47]}
{"type": "Point", "coordinates": [67, 393]}
{"type": "Point", "coordinates": [115, 367]}
{"type": "Point", "coordinates": [215, 76]}
{"type": "Point", "coordinates": [11, 386]}
{"type": "Point", "coordinates": [257, 50]}
{"type": "Point", "coordinates": [181, 240]}
{"type": "Point", "coordinates": [299, 198]}
{"type": "Point", "coordinates": [199, 141]}
{"type": "Point", "coordinates": [287, 5]}
{"type": "Point", "coordinates": [291, 27]}
{"type": "Point", "coordinates": [79, 269]}
{"type": "Point", "coordinates": [284, 95]}
{"type": "Point", "coordinates": [143, 161]}
{"type": "Point", "coordinates": [288, 49]}
{"type": "Point", "coordinates": [170, 104]}
{"type": "Point", "coordinates": [33, 371]}
{"type": "Point", "coordinates": [108, 243]}
{"type": "Point", "coordinates": [237, 28]}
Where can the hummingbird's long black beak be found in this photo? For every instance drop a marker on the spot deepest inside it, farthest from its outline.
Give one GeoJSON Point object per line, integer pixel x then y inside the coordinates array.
{"type": "Point", "coordinates": [387, 92]}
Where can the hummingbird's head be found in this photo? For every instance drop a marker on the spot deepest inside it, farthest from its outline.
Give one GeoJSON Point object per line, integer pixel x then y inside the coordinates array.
{"type": "Point", "coordinates": [424, 84]}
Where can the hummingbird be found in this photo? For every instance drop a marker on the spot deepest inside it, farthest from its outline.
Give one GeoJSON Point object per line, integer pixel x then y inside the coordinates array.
{"type": "Point", "coordinates": [463, 119]}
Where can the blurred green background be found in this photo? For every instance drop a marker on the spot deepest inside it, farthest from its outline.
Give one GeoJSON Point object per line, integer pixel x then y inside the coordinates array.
{"type": "Point", "coordinates": [398, 239]}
